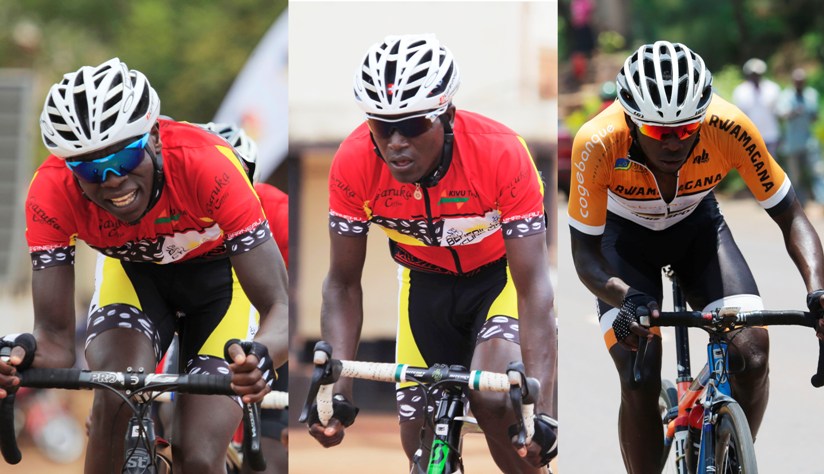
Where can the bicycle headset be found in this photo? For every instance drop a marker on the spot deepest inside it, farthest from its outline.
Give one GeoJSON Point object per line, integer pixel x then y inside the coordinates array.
{"type": "Point", "coordinates": [97, 107]}
{"type": "Point", "coordinates": [409, 74]}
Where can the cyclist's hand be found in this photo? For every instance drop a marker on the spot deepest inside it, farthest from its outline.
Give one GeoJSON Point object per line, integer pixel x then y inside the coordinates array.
{"type": "Point", "coordinates": [626, 327]}
{"type": "Point", "coordinates": [343, 415]}
{"type": "Point", "coordinates": [544, 444]}
{"type": "Point", "coordinates": [252, 371]}
{"type": "Point", "coordinates": [329, 435]}
{"type": "Point", "coordinates": [22, 348]}
{"type": "Point", "coordinates": [815, 303]}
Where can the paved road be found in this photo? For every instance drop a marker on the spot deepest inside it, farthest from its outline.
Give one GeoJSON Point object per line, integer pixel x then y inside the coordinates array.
{"type": "Point", "coordinates": [790, 435]}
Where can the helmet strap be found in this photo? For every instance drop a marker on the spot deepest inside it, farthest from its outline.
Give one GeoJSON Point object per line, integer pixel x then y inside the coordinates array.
{"type": "Point", "coordinates": [438, 173]}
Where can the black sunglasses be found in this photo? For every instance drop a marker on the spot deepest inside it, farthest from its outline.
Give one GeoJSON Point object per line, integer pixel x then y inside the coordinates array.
{"type": "Point", "coordinates": [410, 127]}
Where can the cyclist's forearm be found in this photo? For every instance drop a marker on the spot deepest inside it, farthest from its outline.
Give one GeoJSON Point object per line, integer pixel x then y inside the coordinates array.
{"type": "Point", "coordinates": [804, 247]}
{"type": "Point", "coordinates": [274, 333]}
{"type": "Point", "coordinates": [539, 347]}
{"type": "Point", "coordinates": [595, 274]}
{"type": "Point", "coordinates": [341, 322]}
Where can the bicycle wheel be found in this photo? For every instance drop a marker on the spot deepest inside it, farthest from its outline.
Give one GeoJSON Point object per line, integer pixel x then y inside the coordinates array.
{"type": "Point", "coordinates": [734, 451]}
{"type": "Point", "coordinates": [667, 399]}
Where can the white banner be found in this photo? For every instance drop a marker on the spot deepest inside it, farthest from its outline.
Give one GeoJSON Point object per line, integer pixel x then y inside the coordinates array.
{"type": "Point", "coordinates": [258, 99]}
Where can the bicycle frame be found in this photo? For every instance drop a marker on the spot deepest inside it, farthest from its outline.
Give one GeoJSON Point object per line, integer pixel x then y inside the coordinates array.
{"type": "Point", "coordinates": [444, 453]}
{"type": "Point", "coordinates": [712, 382]}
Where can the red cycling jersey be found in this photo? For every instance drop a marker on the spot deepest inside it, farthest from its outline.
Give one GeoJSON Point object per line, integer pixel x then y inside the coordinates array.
{"type": "Point", "coordinates": [207, 208]}
{"type": "Point", "coordinates": [276, 207]}
{"type": "Point", "coordinates": [490, 192]}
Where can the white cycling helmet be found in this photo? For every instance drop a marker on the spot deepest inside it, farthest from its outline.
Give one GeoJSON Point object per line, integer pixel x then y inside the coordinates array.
{"type": "Point", "coordinates": [406, 74]}
{"type": "Point", "coordinates": [96, 107]}
{"type": "Point", "coordinates": [665, 84]}
{"type": "Point", "coordinates": [242, 143]}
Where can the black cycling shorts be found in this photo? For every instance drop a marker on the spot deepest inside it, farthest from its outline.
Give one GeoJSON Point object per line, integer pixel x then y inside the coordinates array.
{"type": "Point", "coordinates": [700, 249]}
{"type": "Point", "coordinates": [443, 317]}
{"type": "Point", "coordinates": [201, 300]}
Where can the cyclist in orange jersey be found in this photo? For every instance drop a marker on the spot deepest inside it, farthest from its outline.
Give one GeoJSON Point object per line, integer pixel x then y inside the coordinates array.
{"type": "Point", "coordinates": [643, 174]}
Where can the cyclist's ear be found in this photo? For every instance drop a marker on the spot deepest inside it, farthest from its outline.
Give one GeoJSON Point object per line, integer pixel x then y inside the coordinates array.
{"type": "Point", "coordinates": [450, 114]}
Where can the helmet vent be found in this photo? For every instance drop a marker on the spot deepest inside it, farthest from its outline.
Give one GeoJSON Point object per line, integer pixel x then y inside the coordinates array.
{"type": "Point", "coordinates": [142, 106]}
{"type": "Point", "coordinates": [81, 106]}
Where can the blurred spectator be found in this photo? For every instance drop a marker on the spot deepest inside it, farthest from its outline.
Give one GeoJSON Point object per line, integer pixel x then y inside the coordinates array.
{"type": "Point", "coordinates": [798, 107]}
{"type": "Point", "coordinates": [583, 37]}
{"type": "Point", "coordinates": [607, 94]}
{"type": "Point", "coordinates": [757, 97]}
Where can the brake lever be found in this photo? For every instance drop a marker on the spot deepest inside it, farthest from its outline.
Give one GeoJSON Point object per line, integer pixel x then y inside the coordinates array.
{"type": "Point", "coordinates": [523, 392]}
{"type": "Point", "coordinates": [639, 355]}
{"type": "Point", "coordinates": [327, 371]}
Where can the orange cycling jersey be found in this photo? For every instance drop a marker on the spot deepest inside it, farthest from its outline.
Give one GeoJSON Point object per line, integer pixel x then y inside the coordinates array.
{"type": "Point", "coordinates": [490, 192]}
{"type": "Point", "coordinates": [606, 178]}
{"type": "Point", "coordinates": [207, 208]}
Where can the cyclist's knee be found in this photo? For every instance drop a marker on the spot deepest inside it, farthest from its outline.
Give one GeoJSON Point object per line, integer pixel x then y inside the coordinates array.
{"type": "Point", "coordinates": [489, 407]}
{"type": "Point", "coordinates": [201, 460]}
{"type": "Point", "coordinates": [749, 353]}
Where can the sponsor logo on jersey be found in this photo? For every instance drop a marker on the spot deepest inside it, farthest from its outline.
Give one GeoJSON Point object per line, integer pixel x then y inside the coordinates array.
{"type": "Point", "coordinates": [623, 164]}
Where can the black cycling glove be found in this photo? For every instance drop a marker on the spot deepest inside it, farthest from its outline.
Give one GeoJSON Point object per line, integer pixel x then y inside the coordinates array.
{"type": "Point", "coordinates": [26, 341]}
{"type": "Point", "coordinates": [814, 301]}
{"type": "Point", "coordinates": [342, 409]}
{"type": "Point", "coordinates": [546, 436]}
{"type": "Point", "coordinates": [258, 350]}
{"type": "Point", "coordinates": [628, 313]}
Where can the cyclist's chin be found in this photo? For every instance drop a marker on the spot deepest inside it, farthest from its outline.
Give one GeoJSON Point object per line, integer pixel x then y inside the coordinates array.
{"type": "Point", "coordinates": [408, 176]}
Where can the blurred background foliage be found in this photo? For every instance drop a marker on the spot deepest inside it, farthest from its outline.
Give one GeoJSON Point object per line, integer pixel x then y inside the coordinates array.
{"type": "Point", "coordinates": [786, 34]}
{"type": "Point", "coordinates": [191, 50]}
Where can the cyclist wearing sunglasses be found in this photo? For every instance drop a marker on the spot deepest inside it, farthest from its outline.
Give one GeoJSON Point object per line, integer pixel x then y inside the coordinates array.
{"type": "Point", "coordinates": [642, 198]}
{"type": "Point", "coordinates": [461, 201]}
{"type": "Point", "coordinates": [179, 230]}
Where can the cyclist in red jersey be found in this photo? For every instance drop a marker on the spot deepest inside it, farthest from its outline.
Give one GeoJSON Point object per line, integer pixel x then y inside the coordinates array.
{"type": "Point", "coordinates": [274, 423]}
{"type": "Point", "coordinates": [179, 230]}
{"type": "Point", "coordinates": [274, 201]}
{"type": "Point", "coordinates": [641, 198]}
{"type": "Point", "coordinates": [461, 201]}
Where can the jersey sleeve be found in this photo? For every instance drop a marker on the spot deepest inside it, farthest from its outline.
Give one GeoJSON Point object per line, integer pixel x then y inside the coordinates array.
{"type": "Point", "coordinates": [229, 198]}
{"type": "Point", "coordinates": [745, 148]}
{"type": "Point", "coordinates": [520, 192]}
{"type": "Point", "coordinates": [348, 210]}
{"type": "Point", "coordinates": [589, 178]}
{"type": "Point", "coordinates": [51, 232]}
{"type": "Point", "coordinates": [276, 207]}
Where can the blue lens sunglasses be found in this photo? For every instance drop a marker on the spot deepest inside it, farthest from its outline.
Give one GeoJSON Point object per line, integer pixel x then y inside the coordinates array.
{"type": "Point", "coordinates": [120, 163]}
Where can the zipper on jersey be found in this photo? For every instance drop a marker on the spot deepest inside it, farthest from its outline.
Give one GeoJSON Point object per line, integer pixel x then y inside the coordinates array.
{"type": "Point", "coordinates": [430, 225]}
{"type": "Point", "coordinates": [660, 194]}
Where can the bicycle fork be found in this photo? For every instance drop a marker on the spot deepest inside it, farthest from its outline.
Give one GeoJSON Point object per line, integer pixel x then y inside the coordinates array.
{"type": "Point", "coordinates": [717, 392]}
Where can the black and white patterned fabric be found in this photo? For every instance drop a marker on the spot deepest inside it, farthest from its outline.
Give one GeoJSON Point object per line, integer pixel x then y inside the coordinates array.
{"type": "Point", "coordinates": [52, 257]}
